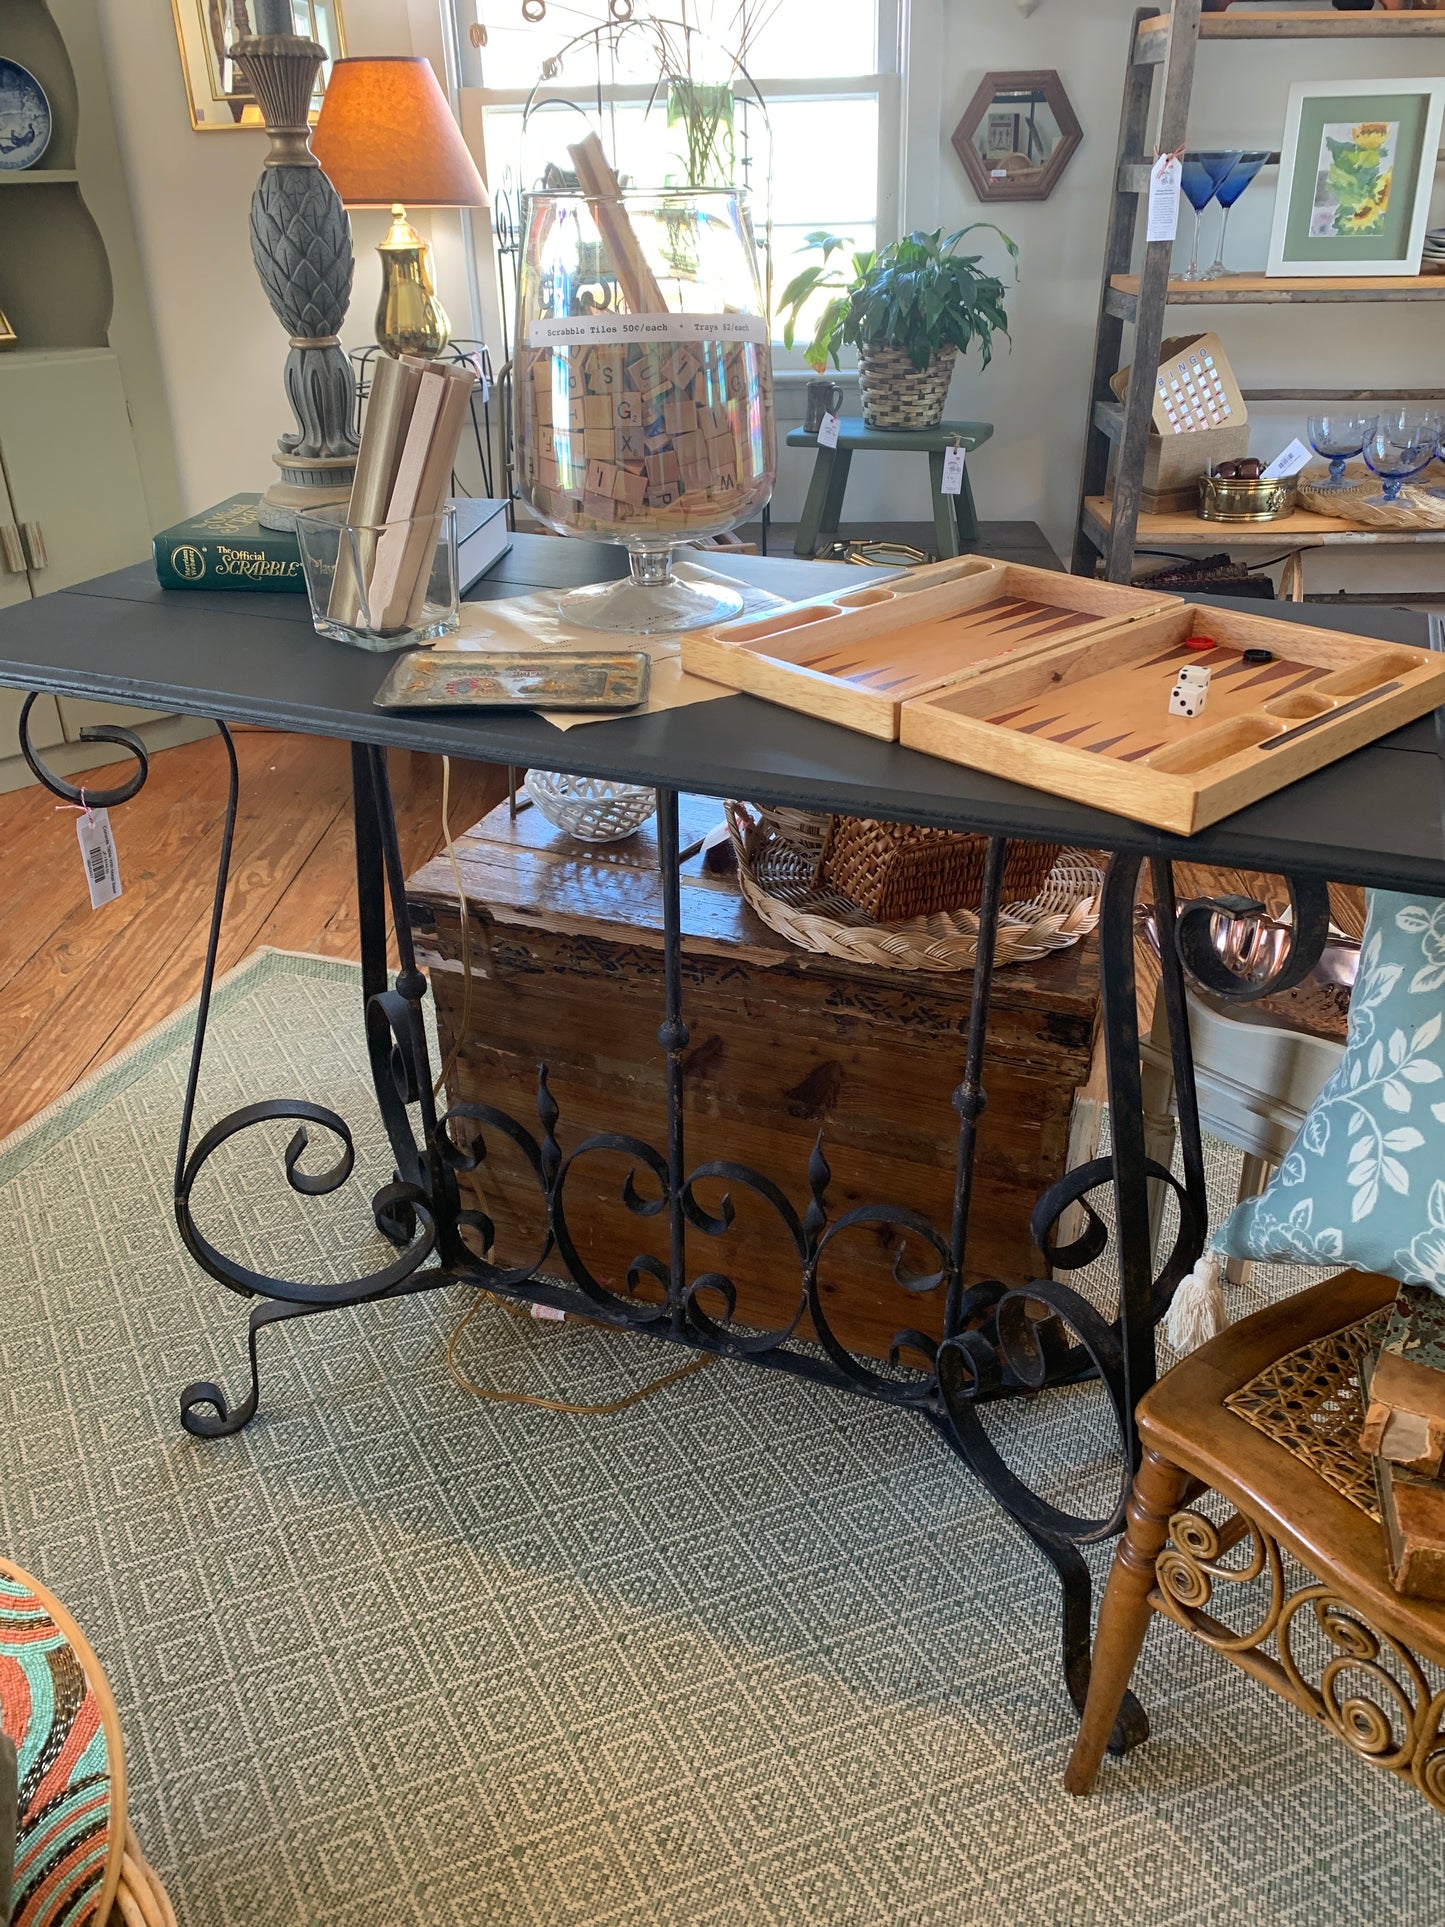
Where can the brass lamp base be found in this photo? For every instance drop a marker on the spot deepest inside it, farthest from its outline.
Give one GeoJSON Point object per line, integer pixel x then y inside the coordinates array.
{"type": "Point", "coordinates": [409, 318]}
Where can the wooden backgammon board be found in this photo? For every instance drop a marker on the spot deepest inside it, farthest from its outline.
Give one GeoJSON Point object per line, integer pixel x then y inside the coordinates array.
{"type": "Point", "coordinates": [1064, 684]}
{"type": "Point", "coordinates": [856, 657]}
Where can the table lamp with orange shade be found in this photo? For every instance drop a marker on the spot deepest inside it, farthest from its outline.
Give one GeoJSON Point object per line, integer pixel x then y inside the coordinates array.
{"type": "Point", "coordinates": [387, 138]}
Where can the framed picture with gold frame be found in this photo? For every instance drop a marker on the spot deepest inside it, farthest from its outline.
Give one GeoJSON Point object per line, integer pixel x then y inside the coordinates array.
{"type": "Point", "coordinates": [217, 96]}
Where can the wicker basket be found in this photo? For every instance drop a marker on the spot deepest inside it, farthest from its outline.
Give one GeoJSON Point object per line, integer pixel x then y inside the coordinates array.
{"type": "Point", "coordinates": [1413, 508]}
{"type": "Point", "coordinates": [898, 395]}
{"type": "Point", "coordinates": [778, 851]}
{"type": "Point", "coordinates": [894, 871]}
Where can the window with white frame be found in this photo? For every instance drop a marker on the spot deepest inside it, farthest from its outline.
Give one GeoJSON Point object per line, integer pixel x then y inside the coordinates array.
{"type": "Point", "coordinates": [829, 80]}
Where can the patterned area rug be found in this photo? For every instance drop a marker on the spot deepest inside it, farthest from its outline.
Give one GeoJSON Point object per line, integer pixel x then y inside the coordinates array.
{"type": "Point", "coordinates": [747, 1653]}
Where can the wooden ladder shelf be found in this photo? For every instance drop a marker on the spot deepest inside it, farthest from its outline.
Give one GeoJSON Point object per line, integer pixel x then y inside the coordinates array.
{"type": "Point", "coordinates": [1110, 524]}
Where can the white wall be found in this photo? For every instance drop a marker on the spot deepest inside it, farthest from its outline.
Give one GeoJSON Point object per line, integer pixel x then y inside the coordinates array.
{"type": "Point", "coordinates": [221, 348]}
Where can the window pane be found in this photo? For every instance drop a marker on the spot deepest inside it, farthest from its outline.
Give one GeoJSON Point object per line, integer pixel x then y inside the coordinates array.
{"type": "Point", "coordinates": [791, 38]}
{"type": "Point", "coordinates": [813, 42]}
{"type": "Point", "coordinates": [825, 162]}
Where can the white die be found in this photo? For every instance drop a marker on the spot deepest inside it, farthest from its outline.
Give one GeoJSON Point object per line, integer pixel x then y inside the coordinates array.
{"type": "Point", "coordinates": [1185, 701]}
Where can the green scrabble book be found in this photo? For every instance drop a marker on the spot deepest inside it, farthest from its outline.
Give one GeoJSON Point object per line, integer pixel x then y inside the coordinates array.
{"type": "Point", "coordinates": [226, 548]}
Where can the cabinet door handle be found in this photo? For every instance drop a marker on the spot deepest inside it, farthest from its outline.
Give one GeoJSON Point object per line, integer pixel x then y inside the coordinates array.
{"type": "Point", "coordinates": [11, 553]}
{"type": "Point", "coordinates": [34, 540]}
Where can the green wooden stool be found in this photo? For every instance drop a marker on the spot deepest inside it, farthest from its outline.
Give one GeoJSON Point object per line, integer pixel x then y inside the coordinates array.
{"type": "Point", "coordinates": [955, 520]}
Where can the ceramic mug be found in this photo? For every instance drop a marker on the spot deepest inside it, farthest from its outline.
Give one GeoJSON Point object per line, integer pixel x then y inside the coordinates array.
{"type": "Point", "coordinates": [824, 398]}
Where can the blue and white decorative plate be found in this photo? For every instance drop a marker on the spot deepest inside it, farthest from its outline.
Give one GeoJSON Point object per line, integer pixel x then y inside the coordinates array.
{"type": "Point", "coordinates": [24, 117]}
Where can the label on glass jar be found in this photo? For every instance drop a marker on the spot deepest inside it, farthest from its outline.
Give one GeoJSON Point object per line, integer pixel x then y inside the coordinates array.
{"type": "Point", "coordinates": [578, 330]}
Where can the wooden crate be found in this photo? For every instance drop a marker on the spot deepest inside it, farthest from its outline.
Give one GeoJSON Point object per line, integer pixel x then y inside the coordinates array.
{"type": "Point", "coordinates": [1091, 720]}
{"type": "Point", "coordinates": [854, 658]}
{"type": "Point", "coordinates": [567, 967]}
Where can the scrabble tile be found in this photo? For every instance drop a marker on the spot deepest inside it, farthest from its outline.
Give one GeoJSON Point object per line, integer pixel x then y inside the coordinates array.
{"type": "Point", "coordinates": [601, 479]}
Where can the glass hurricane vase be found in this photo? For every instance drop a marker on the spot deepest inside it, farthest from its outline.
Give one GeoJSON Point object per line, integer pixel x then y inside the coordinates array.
{"type": "Point", "coordinates": [643, 389]}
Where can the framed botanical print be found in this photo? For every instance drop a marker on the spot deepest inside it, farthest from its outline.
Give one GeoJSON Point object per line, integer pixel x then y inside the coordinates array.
{"type": "Point", "coordinates": [215, 91]}
{"type": "Point", "coordinates": [1357, 166]}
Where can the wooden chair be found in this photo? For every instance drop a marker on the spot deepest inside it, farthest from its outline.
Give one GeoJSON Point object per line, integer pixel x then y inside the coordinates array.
{"type": "Point", "coordinates": [76, 1857]}
{"type": "Point", "coordinates": [1266, 1417]}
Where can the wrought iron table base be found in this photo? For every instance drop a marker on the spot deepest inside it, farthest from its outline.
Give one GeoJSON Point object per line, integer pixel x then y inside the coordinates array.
{"type": "Point", "coordinates": [997, 1339]}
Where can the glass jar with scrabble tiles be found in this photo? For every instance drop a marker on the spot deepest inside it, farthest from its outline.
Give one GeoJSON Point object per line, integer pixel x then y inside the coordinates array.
{"type": "Point", "coordinates": [643, 388]}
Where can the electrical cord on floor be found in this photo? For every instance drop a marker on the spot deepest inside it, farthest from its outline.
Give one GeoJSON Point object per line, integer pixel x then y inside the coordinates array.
{"type": "Point", "coordinates": [493, 1393]}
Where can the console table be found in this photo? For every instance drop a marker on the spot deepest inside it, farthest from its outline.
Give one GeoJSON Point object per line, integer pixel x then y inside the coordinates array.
{"type": "Point", "coordinates": [1374, 818]}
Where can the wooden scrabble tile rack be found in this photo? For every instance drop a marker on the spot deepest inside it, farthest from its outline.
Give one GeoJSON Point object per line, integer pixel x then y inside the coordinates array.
{"type": "Point", "coordinates": [1090, 719]}
{"type": "Point", "coordinates": [856, 658]}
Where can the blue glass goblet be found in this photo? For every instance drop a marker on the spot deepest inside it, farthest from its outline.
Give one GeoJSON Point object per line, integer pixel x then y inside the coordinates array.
{"type": "Point", "coordinates": [1228, 192]}
{"type": "Point", "coordinates": [1201, 174]}
{"type": "Point", "coordinates": [1403, 443]}
{"type": "Point", "coordinates": [1338, 437]}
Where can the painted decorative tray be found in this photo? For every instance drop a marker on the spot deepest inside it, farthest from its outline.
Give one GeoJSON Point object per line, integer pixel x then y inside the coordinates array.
{"type": "Point", "coordinates": [855, 658]}
{"type": "Point", "coordinates": [541, 679]}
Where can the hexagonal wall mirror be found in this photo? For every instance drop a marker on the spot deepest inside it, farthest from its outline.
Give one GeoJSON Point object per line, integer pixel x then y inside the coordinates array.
{"type": "Point", "coordinates": [1017, 136]}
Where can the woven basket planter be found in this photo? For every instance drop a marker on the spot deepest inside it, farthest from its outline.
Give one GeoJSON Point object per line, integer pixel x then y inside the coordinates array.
{"type": "Point", "coordinates": [898, 395]}
{"type": "Point", "coordinates": [894, 871]}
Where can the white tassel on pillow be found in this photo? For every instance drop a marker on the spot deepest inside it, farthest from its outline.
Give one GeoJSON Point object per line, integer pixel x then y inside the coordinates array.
{"type": "Point", "coordinates": [1196, 1312]}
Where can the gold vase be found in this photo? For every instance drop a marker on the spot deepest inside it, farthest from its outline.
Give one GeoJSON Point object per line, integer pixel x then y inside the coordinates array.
{"type": "Point", "coordinates": [409, 318]}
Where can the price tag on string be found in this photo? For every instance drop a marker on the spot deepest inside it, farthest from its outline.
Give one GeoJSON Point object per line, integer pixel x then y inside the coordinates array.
{"type": "Point", "coordinates": [828, 432]}
{"type": "Point", "coordinates": [1288, 462]}
{"type": "Point", "coordinates": [1165, 177]}
{"type": "Point", "coordinates": [954, 460]}
{"type": "Point", "coordinates": [97, 849]}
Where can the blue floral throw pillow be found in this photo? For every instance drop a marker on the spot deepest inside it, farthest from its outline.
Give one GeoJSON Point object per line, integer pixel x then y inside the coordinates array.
{"type": "Point", "coordinates": [1364, 1182]}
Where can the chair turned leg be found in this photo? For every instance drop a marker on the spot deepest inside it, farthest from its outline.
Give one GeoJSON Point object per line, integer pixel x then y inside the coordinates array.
{"type": "Point", "coordinates": [1125, 1614]}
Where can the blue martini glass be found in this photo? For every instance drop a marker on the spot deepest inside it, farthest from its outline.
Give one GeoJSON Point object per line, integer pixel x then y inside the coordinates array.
{"type": "Point", "coordinates": [1338, 437]}
{"type": "Point", "coordinates": [1227, 193]}
{"type": "Point", "coordinates": [1403, 443]}
{"type": "Point", "coordinates": [1200, 178]}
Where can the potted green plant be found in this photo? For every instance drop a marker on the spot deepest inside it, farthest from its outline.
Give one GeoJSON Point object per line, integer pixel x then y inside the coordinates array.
{"type": "Point", "coordinates": [908, 310]}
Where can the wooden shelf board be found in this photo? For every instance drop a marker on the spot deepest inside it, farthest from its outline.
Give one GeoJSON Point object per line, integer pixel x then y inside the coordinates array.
{"type": "Point", "coordinates": [1182, 530]}
{"type": "Point", "coordinates": [1278, 288]}
{"type": "Point", "coordinates": [38, 177]}
{"type": "Point", "coordinates": [1323, 25]}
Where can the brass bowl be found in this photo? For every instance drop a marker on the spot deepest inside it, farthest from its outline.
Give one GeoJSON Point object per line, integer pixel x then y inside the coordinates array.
{"type": "Point", "coordinates": [1222, 499]}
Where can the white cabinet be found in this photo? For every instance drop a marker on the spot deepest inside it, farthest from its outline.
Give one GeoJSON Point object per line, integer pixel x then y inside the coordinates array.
{"type": "Point", "coordinates": [72, 506]}
{"type": "Point", "coordinates": [76, 495]}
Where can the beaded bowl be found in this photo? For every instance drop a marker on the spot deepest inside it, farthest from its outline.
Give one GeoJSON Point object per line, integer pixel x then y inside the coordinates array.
{"type": "Point", "coordinates": [594, 809]}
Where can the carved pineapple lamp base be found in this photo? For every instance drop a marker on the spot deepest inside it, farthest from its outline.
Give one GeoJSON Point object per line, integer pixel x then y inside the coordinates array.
{"type": "Point", "coordinates": [301, 244]}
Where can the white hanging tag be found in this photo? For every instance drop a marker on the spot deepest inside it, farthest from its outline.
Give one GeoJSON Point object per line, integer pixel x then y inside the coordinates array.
{"type": "Point", "coordinates": [1164, 180]}
{"type": "Point", "coordinates": [953, 466]}
{"type": "Point", "coordinates": [828, 432]}
{"type": "Point", "coordinates": [97, 849]}
{"type": "Point", "coordinates": [1288, 462]}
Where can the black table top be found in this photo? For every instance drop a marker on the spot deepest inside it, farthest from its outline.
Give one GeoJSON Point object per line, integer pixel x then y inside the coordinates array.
{"type": "Point", "coordinates": [1374, 817]}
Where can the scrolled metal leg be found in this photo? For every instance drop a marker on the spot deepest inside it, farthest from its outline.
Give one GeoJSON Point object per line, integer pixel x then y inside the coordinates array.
{"type": "Point", "coordinates": [225, 1419]}
{"type": "Point", "coordinates": [402, 1205]}
{"type": "Point", "coordinates": [106, 799]}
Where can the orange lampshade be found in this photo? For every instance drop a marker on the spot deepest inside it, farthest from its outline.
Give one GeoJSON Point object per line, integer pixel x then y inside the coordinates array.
{"type": "Point", "coordinates": [386, 134]}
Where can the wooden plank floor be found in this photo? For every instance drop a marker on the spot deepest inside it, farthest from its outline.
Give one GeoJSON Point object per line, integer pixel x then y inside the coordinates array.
{"type": "Point", "coordinates": [78, 985]}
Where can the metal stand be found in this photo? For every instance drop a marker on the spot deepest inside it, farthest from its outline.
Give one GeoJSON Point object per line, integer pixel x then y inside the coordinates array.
{"type": "Point", "coordinates": [998, 1340]}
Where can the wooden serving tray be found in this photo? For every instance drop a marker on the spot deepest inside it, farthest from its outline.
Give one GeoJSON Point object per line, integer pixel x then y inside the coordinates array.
{"type": "Point", "coordinates": [1090, 720]}
{"type": "Point", "coordinates": [856, 657]}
